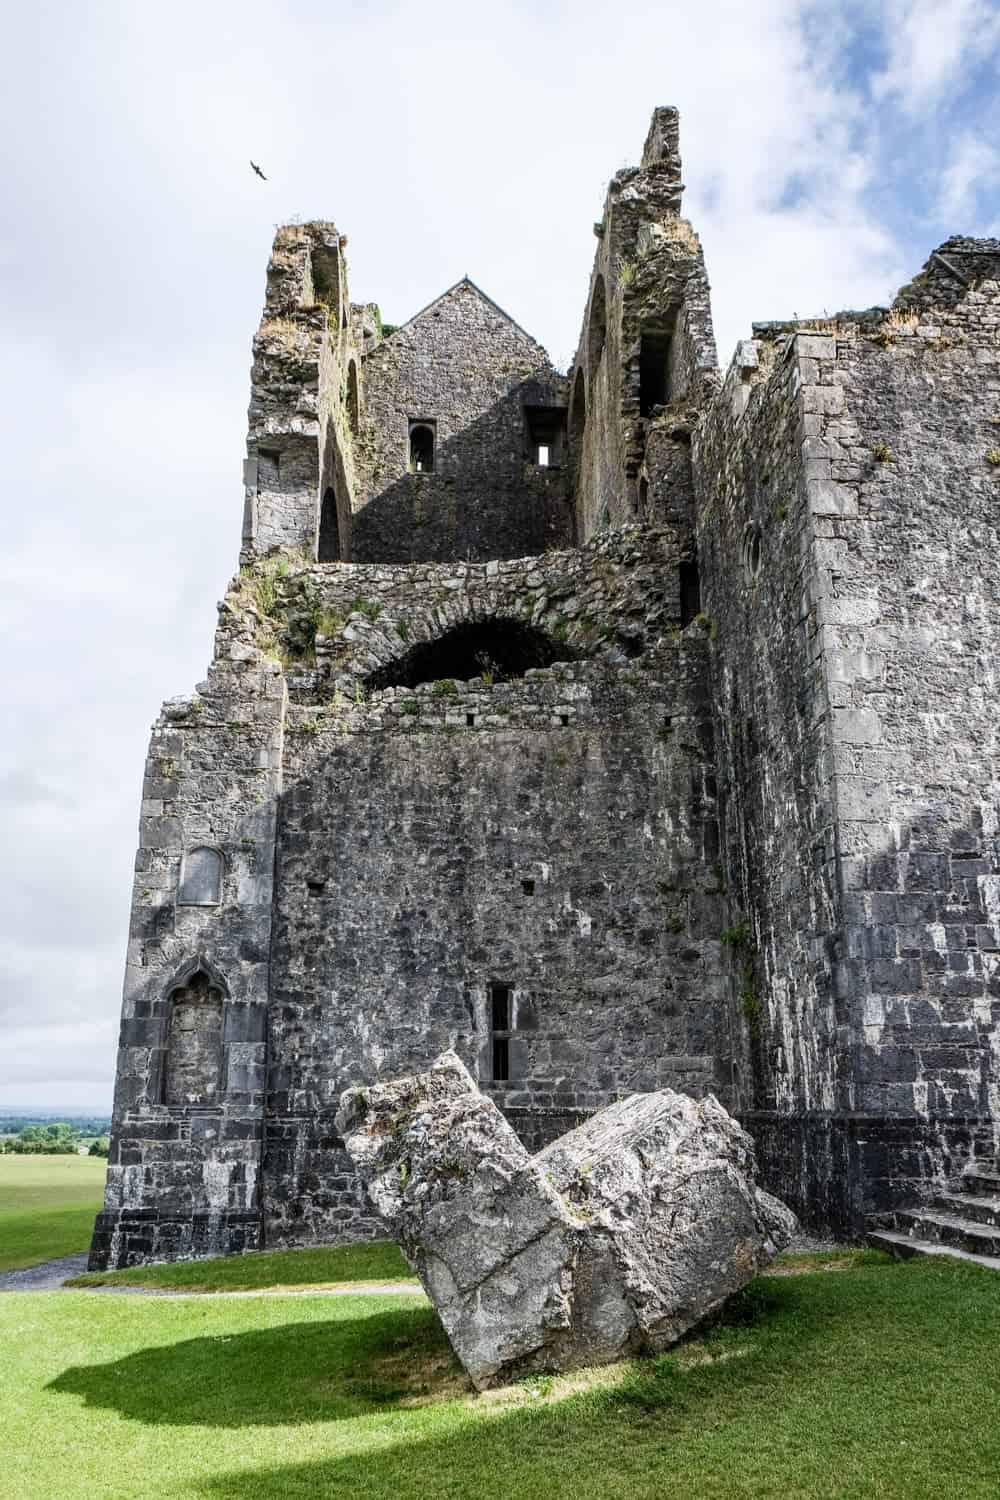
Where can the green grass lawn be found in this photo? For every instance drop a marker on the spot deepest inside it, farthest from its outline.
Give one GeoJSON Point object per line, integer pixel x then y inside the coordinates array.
{"type": "Point", "coordinates": [878, 1381]}
{"type": "Point", "coordinates": [47, 1206]}
{"type": "Point", "coordinates": [326, 1265]}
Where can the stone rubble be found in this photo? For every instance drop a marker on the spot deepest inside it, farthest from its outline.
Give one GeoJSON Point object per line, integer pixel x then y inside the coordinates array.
{"type": "Point", "coordinates": [613, 1241]}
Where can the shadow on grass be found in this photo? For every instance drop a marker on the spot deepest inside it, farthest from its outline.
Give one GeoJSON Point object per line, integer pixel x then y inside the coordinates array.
{"type": "Point", "coordinates": [298, 1372]}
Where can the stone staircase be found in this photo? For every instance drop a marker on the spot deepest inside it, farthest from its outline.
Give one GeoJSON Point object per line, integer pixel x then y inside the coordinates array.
{"type": "Point", "coordinates": [965, 1224]}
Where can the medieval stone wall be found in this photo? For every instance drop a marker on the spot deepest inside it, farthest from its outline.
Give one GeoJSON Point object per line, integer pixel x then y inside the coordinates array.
{"type": "Point", "coordinates": [463, 368]}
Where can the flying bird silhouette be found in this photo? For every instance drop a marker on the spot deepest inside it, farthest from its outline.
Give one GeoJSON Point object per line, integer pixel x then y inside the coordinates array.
{"type": "Point", "coordinates": [258, 171]}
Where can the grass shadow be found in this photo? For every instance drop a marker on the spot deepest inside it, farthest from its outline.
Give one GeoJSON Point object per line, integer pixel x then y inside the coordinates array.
{"type": "Point", "coordinates": [298, 1372]}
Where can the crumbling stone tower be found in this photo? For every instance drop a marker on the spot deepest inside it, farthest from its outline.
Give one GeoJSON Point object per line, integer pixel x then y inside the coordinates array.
{"type": "Point", "coordinates": [602, 727]}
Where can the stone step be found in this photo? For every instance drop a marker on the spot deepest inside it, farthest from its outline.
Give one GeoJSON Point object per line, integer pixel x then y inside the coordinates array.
{"type": "Point", "coordinates": [901, 1246]}
{"type": "Point", "coordinates": [948, 1229]}
{"type": "Point", "coordinates": [980, 1208]}
{"type": "Point", "coordinates": [982, 1178]}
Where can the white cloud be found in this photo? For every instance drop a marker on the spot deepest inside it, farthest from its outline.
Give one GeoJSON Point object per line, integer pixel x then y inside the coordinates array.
{"type": "Point", "coordinates": [972, 168]}
{"type": "Point", "coordinates": [930, 44]}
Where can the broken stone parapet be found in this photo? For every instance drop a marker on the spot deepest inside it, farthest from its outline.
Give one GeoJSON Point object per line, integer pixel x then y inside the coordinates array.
{"type": "Point", "coordinates": [612, 1242]}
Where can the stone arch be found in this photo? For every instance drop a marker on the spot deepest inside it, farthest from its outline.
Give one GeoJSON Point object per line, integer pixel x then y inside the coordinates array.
{"type": "Point", "coordinates": [578, 407]}
{"type": "Point", "coordinates": [495, 647]}
{"type": "Point", "coordinates": [353, 403]}
{"type": "Point", "coordinates": [193, 1065]}
{"type": "Point", "coordinates": [597, 326]}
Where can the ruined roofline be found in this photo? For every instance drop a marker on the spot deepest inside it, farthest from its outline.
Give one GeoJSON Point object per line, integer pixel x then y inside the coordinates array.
{"type": "Point", "coordinates": [468, 281]}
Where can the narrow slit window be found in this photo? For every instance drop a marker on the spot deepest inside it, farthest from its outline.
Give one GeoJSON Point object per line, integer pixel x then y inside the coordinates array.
{"type": "Point", "coordinates": [500, 1028]}
{"type": "Point", "coordinates": [690, 592]}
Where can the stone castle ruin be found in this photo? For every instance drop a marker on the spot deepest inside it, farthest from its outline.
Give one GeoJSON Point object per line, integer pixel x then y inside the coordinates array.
{"type": "Point", "coordinates": [624, 730]}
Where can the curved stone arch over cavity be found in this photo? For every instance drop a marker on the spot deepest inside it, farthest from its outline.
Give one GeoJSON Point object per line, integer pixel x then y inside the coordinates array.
{"type": "Point", "coordinates": [494, 647]}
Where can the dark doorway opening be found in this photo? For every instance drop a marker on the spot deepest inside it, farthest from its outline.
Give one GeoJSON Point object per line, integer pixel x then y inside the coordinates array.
{"type": "Point", "coordinates": [329, 529]}
{"type": "Point", "coordinates": [654, 368]}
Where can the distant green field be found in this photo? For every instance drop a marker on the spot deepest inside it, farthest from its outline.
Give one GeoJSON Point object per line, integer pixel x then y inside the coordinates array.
{"type": "Point", "coordinates": [323, 1265]}
{"type": "Point", "coordinates": [47, 1206]}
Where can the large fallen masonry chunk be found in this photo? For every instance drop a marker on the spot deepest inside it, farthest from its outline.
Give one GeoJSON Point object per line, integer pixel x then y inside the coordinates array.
{"type": "Point", "coordinates": [613, 1241]}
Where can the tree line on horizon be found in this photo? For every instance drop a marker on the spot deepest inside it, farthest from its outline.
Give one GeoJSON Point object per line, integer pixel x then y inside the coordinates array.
{"type": "Point", "coordinates": [54, 1139]}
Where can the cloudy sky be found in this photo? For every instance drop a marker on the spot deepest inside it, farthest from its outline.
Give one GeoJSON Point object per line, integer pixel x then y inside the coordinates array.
{"type": "Point", "coordinates": [827, 148]}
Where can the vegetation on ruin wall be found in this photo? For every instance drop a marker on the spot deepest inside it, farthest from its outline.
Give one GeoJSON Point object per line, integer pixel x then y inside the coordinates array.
{"type": "Point", "coordinates": [47, 1206]}
{"type": "Point", "coordinates": [875, 1380]}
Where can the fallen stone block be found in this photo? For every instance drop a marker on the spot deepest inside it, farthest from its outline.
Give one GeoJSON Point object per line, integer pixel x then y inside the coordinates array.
{"type": "Point", "coordinates": [612, 1242]}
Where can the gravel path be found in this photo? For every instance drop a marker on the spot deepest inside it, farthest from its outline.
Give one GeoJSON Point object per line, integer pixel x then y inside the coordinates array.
{"type": "Point", "coordinates": [50, 1276]}
{"type": "Point", "coordinates": [47, 1277]}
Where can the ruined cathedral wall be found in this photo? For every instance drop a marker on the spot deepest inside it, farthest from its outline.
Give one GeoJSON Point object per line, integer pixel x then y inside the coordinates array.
{"type": "Point", "coordinates": [910, 429]}
{"type": "Point", "coordinates": [646, 361]}
{"type": "Point", "coordinates": [305, 401]}
{"type": "Point", "coordinates": [756, 546]}
{"type": "Point", "coordinates": [467, 372]}
{"type": "Point", "coordinates": [577, 869]}
{"type": "Point", "coordinates": [186, 1142]}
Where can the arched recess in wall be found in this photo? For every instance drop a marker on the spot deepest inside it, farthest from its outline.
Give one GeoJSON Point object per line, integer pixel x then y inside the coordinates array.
{"type": "Point", "coordinates": [597, 328]}
{"type": "Point", "coordinates": [496, 649]}
{"type": "Point", "coordinates": [353, 404]}
{"type": "Point", "coordinates": [193, 1067]}
{"type": "Point", "coordinates": [328, 548]}
{"type": "Point", "coordinates": [578, 408]}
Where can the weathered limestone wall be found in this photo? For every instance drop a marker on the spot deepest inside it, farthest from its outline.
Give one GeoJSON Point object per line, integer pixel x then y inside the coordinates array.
{"type": "Point", "coordinates": [306, 400]}
{"type": "Point", "coordinates": [184, 1167]}
{"type": "Point", "coordinates": [846, 527]}
{"type": "Point", "coordinates": [555, 834]}
{"type": "Point", "coordinates": [648, 291]}
{"type": "Point", "coordinates": [465, 367]}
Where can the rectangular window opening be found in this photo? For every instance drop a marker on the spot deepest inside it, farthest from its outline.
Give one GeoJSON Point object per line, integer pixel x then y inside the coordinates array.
{"type": "Point", "coordinates": [500, 1007]}
{"type": "Point", "coordinates": [690, 591]}
{"type": "Point", "coordinates": [501, 1059]}
{"type": "Point", "coordinates": [654, 366]}
{"type": "Point", "coordinates": [545, 431]}
{"type": "Point", "coordinates": [528, 887]}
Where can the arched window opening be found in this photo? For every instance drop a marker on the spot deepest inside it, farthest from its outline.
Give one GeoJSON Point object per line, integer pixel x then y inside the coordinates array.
{"type": "Point", "coordinates": [329, 529]}
{"type": "Point", "coordinates": [421, 448]}
{"type": "Point", "coordinates": [654, 370]}
{"type": "Point", "coordinates": [494, 650]}
{"type": "Point", "coordinates": [598, 327]}
{"type": "Point", "coordinates": [578, 407]}
{"type": "Point", "coordinates": [201, 878]}
{"type": "Point", "coordinates": [194, 1045]}
{"type": "Point", "coordinates": [353, 407]}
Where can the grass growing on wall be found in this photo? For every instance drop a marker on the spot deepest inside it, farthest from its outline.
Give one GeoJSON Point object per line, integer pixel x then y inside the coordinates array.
{"type": "Point", "coordinates": [47, 1206]}
{"type": "Point", "coordinates": [874, 1380]}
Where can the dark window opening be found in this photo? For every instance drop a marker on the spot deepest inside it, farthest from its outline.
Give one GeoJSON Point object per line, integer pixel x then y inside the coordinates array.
{"type": "Point", "coordinates": [564, 719]}
{"type": "Point", "coordinates": [643, 495]}
{"type": "Point", "coordinates": [316, 887]}
{"type": "Point", "coordinates": [421, 448]}
{"type": "Point", "coordinates": [528, 887]}
{"type": "Point", "coordinates": [500, 1024]}
{"type": "Point", "coordinates": [329, 529]}
{"type": "Point", "coordinates": [690, 588]}
{"type": "Point", "coordinates": [598, 325]}
{"type": "Point", "coordinates": [470, 720]}
{"type": "Point", "coordinates": [546, 431]}
{"type": "Point", "coordinates": [578, 408]}
{"type": "Point", "coordinates": [353, 405]}
{"type": "Point", "coordinates": [654, 365]}
{"type": "Point", "coordinates": [510, 648]}
{"type": "Point", "coordinates": [501, 1059]}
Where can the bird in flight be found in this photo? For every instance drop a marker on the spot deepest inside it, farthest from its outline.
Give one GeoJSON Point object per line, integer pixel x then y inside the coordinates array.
{"type": "Point", "coordinates": [258, 171]}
